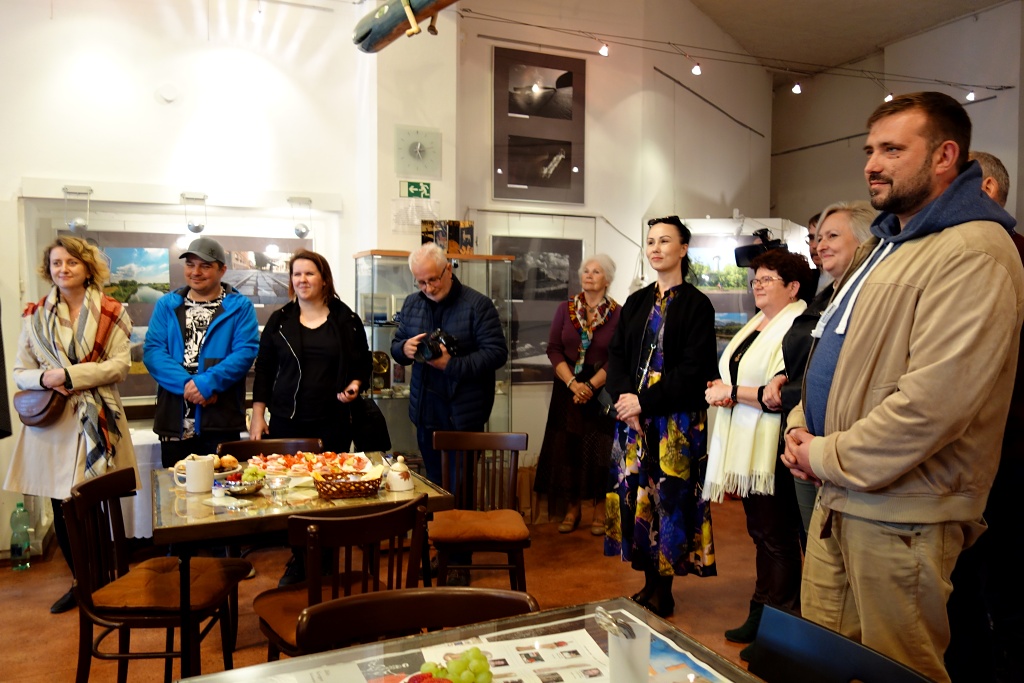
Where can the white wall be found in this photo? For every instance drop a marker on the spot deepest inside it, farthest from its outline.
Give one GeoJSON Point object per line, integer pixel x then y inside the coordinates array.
{"type": "Point", "coordinates": [652, 147]}
{"type": "Point", "coordinates": [983, 48]}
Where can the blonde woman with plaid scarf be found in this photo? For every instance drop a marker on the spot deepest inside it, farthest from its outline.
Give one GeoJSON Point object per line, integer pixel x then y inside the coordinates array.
{"type": "Point", "coordinates": [75, 341]}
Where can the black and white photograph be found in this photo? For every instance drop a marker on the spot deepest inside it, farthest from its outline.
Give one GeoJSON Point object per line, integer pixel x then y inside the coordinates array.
{"type": "Point", "coordinates": [539, 114]}
{"type": "Point", "coordinates": [539, 91]}
{"type": "Point", "coordinates": [544, 274]}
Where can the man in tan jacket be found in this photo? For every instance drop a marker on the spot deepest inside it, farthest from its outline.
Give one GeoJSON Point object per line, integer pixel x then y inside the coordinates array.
{"type": "Point", "coordinates": [908, 387]}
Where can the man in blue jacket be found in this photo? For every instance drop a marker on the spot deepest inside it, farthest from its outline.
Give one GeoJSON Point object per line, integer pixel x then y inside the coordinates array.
{"type": "Point", "coordinates": [454, 390]}
{"type": "Point", "coordinates": [202, 340]}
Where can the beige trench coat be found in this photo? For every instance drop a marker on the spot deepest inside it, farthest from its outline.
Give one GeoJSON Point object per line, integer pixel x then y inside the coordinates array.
{"type": "Point", "coordinates": [48, 461]}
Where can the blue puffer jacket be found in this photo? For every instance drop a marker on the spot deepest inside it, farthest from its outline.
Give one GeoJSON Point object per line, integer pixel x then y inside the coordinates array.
{"type": "Point", "coordinates": [472, 319]}
{"type": "Point", "coordinates": [228, 350]}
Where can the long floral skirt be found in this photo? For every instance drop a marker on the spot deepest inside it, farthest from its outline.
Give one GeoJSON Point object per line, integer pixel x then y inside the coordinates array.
{"type": "Point", "coordinates": [656, 517]}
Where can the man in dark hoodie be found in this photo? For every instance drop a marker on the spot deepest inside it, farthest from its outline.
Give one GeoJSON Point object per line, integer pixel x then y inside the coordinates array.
{"type": "Point", "coordinates": [906, 393]}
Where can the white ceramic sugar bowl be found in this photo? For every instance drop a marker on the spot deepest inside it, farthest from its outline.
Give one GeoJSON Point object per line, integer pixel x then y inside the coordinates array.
{"type": "Point", "coordinates": [399, 477]}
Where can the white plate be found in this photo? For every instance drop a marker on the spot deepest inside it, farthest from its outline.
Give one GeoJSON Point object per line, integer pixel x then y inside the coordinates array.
{"type": "Point", "coordinates": [226, 473]}
{"type": "Point", "coordinates": [227, 502]}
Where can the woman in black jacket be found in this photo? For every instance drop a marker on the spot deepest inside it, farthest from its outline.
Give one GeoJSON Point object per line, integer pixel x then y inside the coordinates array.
{"type": "Point", "coordinates": [313, 361]}
{"type": "Point", "coordinates": [661, 358]}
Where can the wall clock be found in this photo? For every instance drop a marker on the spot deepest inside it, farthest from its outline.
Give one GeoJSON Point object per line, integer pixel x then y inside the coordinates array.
{"type": "Point", "coordinates": [417, 152]}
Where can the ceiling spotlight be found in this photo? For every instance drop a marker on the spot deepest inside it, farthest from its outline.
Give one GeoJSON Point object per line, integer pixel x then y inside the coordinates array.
{"type": "Point", "coordinates": [888, 98]}
{"type": "Point", "coordinates": [696, 69]}
{"type": "Point", "coordinates": [301, 230]}
{"type": "Point", "coordinates": [970, 96]}
{"type": "Point", "coordinates": [796, 89]}
{"type": "Point", "coordinates": [195, 199]}
{"type": "Point", "coordinates": [604, 50]}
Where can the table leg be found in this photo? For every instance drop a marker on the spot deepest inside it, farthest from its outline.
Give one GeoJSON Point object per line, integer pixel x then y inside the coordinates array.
{"type": "Point", "coordinates": [185, 607]}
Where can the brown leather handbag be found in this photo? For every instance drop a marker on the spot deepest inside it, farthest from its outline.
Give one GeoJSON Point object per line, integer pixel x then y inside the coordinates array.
{"type": "Point", "coordinates": [39, 408]}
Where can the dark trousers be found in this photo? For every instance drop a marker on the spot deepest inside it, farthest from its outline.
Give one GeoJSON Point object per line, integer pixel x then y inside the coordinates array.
{"type": "Point", "coordinates": [334, 434]}
{"type": "Point", "coordinates": [60, 530]}
{"type": "Point", "coordinates": [206, 442]}
{"type": "Point", "coordinates": [437, 418]}
{"type": "Point", "coordinates": [774, 524]}
{"type": "Point", "coordinates": [986, 608]}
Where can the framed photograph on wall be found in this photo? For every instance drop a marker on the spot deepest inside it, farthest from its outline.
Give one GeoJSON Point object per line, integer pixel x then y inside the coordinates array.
{"type": "Point", "coordinates": [539, 115]}
{"type": "Point", "coordinates": [545, 274]}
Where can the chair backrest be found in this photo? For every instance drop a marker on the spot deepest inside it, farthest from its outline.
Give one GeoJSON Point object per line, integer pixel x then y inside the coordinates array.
{"type": "Point", "coordinates": [243, 450]}
{"type": "Point", "coordinates": [391, 614]}
{"type": "Point", "coordinates": [397, 534]}
{"type": "Point", "coordinates": [485, 468]}
{"type": "Point", "coordinates": [794, 650]}
{"type": "Point", "coordinates": [95, 526]}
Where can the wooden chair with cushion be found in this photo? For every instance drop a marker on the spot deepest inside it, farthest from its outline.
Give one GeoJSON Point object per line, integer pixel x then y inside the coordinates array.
{"type": "Point", "coordinates": [481, 469]}
{"type": "Point", "coordinates": [392, 614]}
{"type": "Point", "coordinates": [118, 598]}
{"type": "Point", "coordinates": [359, 549]}
{"type": "Point", "coordinates": [789, 649]}
{"type": "Point", "coordinates": [245, 449]}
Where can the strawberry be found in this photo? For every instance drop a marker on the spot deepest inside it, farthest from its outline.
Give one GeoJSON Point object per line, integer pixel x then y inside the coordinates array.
{"type": "Point", "coordinates": [420, 678]}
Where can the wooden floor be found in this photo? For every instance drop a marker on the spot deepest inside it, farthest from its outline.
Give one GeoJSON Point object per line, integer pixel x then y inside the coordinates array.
{"type": "Point", "coordinates": [560, 569]}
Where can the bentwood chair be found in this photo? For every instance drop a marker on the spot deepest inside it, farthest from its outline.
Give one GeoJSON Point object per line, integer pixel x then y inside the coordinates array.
{"type": "Point", "coordinates": [391, 614]}
{"type": "Point", "coordinates": [118, 598]}
{"type": "Point", "coordinates": [481, 469]}
{"type": "Point", "coordinates": [789, 649]}
{"type": "Point", "coordinates": [245, 449]}
{"type": "Point", "coordinates": [360, 549]}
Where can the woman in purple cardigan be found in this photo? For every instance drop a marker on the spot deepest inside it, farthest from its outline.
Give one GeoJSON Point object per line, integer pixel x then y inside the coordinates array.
{"type": "Point", "coordinates": [574, 458]}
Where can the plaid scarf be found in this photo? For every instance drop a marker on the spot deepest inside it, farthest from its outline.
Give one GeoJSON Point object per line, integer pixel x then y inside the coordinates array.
{"type": "Point", "coordinates": [103, 328]}
{"type": "Point", "coordinates": [578, 315]}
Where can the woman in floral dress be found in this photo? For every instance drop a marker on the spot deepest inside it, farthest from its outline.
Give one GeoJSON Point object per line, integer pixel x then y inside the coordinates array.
{"type": "Point", "coordinates": [661, 359]}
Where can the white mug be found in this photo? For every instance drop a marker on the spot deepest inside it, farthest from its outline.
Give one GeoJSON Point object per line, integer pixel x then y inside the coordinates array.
{"type": "Point", "coordinates": [198, 474]}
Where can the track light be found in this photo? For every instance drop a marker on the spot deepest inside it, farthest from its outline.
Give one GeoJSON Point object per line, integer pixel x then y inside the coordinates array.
{"type": "Point", "coordinates": [696, 69]}
{"type": "Point", "coordinates": [301, 229]}
{"type": "Point", "coordinates": [796, 89]}
{"type": "Point", "coordinates": [195, 199]}
{"type": "Point", "coordinates": [970, 96]}
{"type": "Point", "coordinates": [77, 224]}
{"type": "Point", "coordinates": [604, 50]}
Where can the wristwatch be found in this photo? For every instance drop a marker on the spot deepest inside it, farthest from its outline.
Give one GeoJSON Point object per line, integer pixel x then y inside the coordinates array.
{"type": "Point", "coordinates": [67, 380]}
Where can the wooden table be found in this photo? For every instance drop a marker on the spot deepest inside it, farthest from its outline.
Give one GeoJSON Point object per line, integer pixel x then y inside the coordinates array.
{"type": "Point", "coordinates": [186, 521]}
{"type": "Point", "coordinates": [402, 656]}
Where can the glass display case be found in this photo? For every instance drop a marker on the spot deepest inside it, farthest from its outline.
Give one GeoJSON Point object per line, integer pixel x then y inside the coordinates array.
{"type": "Point", "coordinates": [383, 281]}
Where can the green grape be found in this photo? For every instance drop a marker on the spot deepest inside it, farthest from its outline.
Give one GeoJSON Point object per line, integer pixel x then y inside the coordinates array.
{"type": "Point", "coordinates": [428, 668]}
{"type": "Point", "coordinates": [473, 652]}
{"type": "Point", "coordinates": [457, 666]}
{"type": "Point", "coordinates": [467, 676]}
{"type": "Point", "coordinates": [483, 677]}
{"type": "Point", "coordinates": [442, 672]}
{"type": "Point", "coordinates": [478, 664]}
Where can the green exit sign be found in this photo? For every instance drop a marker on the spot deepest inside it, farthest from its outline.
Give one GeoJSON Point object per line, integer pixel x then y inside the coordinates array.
{"type": "Point", "coordinates": [408, 188]}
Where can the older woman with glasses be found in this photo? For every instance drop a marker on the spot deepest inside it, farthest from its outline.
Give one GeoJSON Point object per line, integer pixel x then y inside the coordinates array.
{"type": "Point", "coordinates": [743, 455]}
{"type": "Point", "coordinates": [659, 362]}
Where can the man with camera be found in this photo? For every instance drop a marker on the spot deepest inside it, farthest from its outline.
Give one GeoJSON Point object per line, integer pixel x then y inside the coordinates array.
{"type": "Point", "coordinates": [452, 336]}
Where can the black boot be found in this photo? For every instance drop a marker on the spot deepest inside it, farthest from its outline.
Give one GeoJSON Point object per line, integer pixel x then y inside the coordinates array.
{"type": "Point", "coordinates": [647, 592]}
{"type": "Point", "coordinates": [748, 631]}
{"type": "Point", "coordinates": [662, 603]}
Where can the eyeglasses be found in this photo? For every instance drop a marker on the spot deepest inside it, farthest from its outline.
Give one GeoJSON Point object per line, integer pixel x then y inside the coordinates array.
{"type": "Point", "coordinates": [432, 281]}
{"type": "Point", "coordinates": [763, 281]}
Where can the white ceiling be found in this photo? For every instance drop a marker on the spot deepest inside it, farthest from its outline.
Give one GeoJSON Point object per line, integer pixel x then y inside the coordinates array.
{"type": "Point", "coordinates": [805, 36]}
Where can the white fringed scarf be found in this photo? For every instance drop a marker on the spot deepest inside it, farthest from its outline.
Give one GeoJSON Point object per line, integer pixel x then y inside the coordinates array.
{"type": "Point", "coordinates": [745, 441]}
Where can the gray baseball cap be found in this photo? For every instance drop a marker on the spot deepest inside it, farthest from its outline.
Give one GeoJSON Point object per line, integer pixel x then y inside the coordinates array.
{"type": "Point", "coordinates": [207, 249]}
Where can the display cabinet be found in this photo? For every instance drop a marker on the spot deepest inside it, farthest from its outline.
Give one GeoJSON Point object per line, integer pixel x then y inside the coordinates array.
{"type": "Point", "coordinates": [383, 281]}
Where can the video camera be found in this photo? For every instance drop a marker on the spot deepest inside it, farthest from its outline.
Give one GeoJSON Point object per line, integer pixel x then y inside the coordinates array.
{"type": "Point", "coordinates": [746, 254]}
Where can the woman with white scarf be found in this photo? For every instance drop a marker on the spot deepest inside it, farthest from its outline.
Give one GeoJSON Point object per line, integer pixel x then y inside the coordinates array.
{"type": "Point", "coordinates": [75, 341]}
{"type": "Point", "coordinates": [743, 454]}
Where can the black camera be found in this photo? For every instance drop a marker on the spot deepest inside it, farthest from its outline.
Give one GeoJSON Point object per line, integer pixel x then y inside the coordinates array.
{"type": "Point", "coordinates": [430, 346]}
{"type": "Point", "coordinates": [744, 255]}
